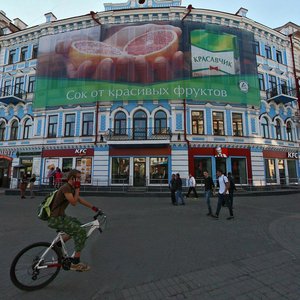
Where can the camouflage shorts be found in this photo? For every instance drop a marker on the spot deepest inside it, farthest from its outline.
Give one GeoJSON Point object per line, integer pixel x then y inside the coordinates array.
{"type": "Point", "coordinates": [71, 226]}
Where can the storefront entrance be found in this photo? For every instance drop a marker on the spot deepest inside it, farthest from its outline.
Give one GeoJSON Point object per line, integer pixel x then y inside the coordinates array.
{"type": "Point", "coordinates": [139, 174]}
{"type": "Point", "coordinates": [4, 172]}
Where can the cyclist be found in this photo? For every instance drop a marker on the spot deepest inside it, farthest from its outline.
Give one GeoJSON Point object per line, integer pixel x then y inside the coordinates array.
{"type": "Point", "coordinates": [69, 194]}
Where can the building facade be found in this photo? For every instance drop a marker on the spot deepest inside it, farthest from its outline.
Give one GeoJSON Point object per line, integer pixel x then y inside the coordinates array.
{"type": "Point", "coordinates": [140, 136]}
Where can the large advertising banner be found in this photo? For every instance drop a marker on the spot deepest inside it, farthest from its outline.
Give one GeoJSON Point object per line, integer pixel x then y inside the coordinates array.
{"type": "Point", "coordinates": [174, 60]}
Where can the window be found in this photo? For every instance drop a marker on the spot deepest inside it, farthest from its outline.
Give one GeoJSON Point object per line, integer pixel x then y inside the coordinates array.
{"type": "Point", "coordinates": [273, 85]}
{"type": "Point", "coordinates": [160, 122]}
{"type": "Point", "coordinates": [265, 127]}
{"type": "Point", "coordinates": [289, 131]}
{"type": "Point", "coordinates": [279, 56]}
{"type": "Point", "coordinates": [27, 127]}
{"type": "Point", "coordinates": [261, 82]}
{"type": "Point", "coordinates": [140, 125]}
{"type": "Point", "coordinates": [84, 164]}
{"type": "Point", "coordinates": [7, 88]}
{"type": "Point", "coordinates": [283, 87]}
{"type": "Point", "coordinates": [268, 52]}
{"type": "Point", "coordinates": [52, 126]}
{"type": "Point", "coordinates": [158, 170]}
{"type": "Point", "coordinates": [31, 84]}
{"type": "Point", "coordinates": [19, 87]}
{"type": "Point", "coordinates": [278, 129]}
{"type": "Point", "coordinates": [200, 165]}
{"type": "Point", "coordinates": [70, 125]}
{"type": "Point", "coordinates": [87, 124]}
{"type": "Point", "coordinates": [239, 170]}
{"type": "Point", "coordinates": [292, 171]}
{"type": "Point", "coordinates": [120, 170]}
{"type": "Point", "coordinates": [270, 170]}
{"type": "Point", "coordinates": [34, 51]}
{"type": "Point", "coordinates": [2, 131]}
{"type": "Point", "coordinates": [67, 165]}
{"type": "Point", "coordinates": [120, 123]}
{"type": "Point", "coordinates": [197, 122]}
{"type": "Point", "coordinates": [218, 123]}
{"type": "Point", "coordinates": [12, 58]}
{"type": "Point", "coordinates": [14, 130]}
{"type": "Point", "coordinates": [237, 124]}
{"type": "Point", "coordinates": [256, 48]}
{"type": "Point", "coordinates": [24, 55]}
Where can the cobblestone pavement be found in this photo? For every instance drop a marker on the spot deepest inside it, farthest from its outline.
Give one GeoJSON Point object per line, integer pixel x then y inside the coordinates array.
{"type": "Point", "coordinates": [153, 250]}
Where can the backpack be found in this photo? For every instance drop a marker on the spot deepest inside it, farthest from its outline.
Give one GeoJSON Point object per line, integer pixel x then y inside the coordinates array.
{"type": "Point", "coordinates": [44, 207]}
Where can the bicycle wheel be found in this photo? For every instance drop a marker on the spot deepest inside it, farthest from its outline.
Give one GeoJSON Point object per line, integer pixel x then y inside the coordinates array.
{"type": "Point", "coordinates": [24, 272]}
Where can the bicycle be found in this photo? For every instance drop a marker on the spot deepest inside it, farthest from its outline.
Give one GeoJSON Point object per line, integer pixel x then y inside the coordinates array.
{"type": "Point", "coordinates": [38, 264]}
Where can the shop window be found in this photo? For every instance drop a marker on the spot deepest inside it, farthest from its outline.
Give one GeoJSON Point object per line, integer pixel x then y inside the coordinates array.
{"type": "Point", "coordinates": [158, 170]}
{"type": "Point", "coordinates": [31, 84]}
{"type": "Point", "coordinates": [198, 122]}
{"type": "Point", "coordinates": [160, 122]}
{"type": "Point", "coordinates": [292, 171]}
{"type": "Point", "coordinates": [270, 170]}
{"type": "Point", "coordinates": [261, 81]}
{"type": "Point", "coordinates": [120, 123]}
{"type": "Point", "coordinates": [218, 123]}
{"type": "Point", "coordinates": [87, 124]}
{"type": "Point", "coordinates": [70, 125]}
{"type": "Point", "coordinates": [289, 131]}
{"type": "Point", "coordinates": [14, 130]}
{"type": "Point", "coordinates": [237, 124]}
{"type": "Point", "coordinates": [202, 164]}
{"type": "Point", "coordinates": [2, 131]}
{"type": "Point", "coordinates": [239, 170]}
{"type": "Point", "coordinates": [67, 165]}
{"type": "Point", "coordinates": [27, 127]}
{"type": "Point", "coordinates": [265, 127]}
{"type": "Point", "coordinates": [268, 52]}
{"type": "Point", "coordinates": [120, 170]}
{"type": "Point", "coordinates": [52, 126]}
{"type": "Point", "coordinates": [278, 129]}
{"type": "Point", "coordinates": [84, 165]}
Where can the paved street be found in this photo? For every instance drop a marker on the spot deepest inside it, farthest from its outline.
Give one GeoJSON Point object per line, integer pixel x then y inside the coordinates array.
{"type": "Point", "coordinates": [152, 250]}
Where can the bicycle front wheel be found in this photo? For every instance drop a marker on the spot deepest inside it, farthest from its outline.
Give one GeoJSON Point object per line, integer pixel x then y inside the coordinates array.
{"type": "Point", "coordinates": [35, 266]}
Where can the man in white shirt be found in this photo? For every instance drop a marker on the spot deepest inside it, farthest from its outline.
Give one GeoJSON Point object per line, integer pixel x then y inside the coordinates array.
{"type": "Point", "coordinates": [223, 194]}
{"type": "Point", "coordinates": [192, 186]}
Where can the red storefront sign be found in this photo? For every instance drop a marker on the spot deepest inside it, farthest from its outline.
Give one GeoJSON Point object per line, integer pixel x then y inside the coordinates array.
{"type": "Point", "coordinates": [68, 152]}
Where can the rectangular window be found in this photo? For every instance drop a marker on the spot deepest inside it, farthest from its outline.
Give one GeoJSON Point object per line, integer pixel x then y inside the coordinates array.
{"type": "Point", "coordinates": [19, 87]}
{"type": "Point", "coordinates": [283, 87]}
{"type": "Point", "coordinates": [273, 85]}
{"type": "Point", "coordinates": [31, 84]}
{"type": "Point", "coordinates": [70, 125]}
{"type": "Point", "coordinates": [120, 170]}
{"type": "Point", "coordinates": [237, 124]}
{"type": "Point", "coordinates": [52, 126]}
{"type": "Point", "coordinates": [12, 58]}
{"type": "Point", "coordinates": [261, 82]}
{"type": "Point", "coordinates": [292, 171]}
{"type": "Point", "coordinates": [84, 164]}
{"type": "Point", "coordinates": [34, 51]}
{"type": "Point", "coordinates": [197, 122]}
{"type": "Point", "coordinates": [218, 123]}
{"type": "Point", "coordinates": [239, 170]}
{"type": "Point", "coordinates": [158, 170]}
{"type": "Point", "coordinates": [67, 165]}
{"type": "Point", "coordinates": [24, 51]}
{"type": "Point", "coordinates": [256, 48]}
{"type": "Point", "coordinates": [202, 164]}
{"type": "Point", "coordinates": [268, 52]}
{"type": "Point", "coordinates": [279, 56]}
{"type": "Point", "coordinates": [270, 170]}
{"type": "Point", "coordinates": [7, 88]}
{"type": "Point", "coordinates": [87, 124]}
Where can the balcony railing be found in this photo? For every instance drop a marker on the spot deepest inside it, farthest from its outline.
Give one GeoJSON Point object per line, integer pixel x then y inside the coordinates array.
{"type": "Point", "coordinates": [12, 95]}
{"type": "Point", "coordinates": [129, 134]}
{"type": "Point", "coordinates": [281, 94]}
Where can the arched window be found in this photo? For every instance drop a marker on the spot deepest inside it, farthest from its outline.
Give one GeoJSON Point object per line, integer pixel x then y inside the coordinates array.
{"type": "Point", "coordinates": [160, 122]}
{"type": "Point", "coordinates": [120, 123]}
{"type": "Point", "coordinates": [140, 125]}
{"type": "Point", "coordinates": [265, 127]}
{"type": "Point", "coordinates": [289, 131]}
{"type": "Point", "coordinates": [14, 130]}
{"type": "Point", "coordinates": [2, 131]}
{"type": "Point", "coordinates": [278, 129]}
{"type": "Point", "coordinates": [27, 126]}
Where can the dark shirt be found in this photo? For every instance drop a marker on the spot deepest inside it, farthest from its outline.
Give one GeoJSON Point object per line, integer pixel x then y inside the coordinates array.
{"type": "Point", "coordinates": [173, 185]}
{"type": "Point", "coordinates": [208, 184]}
{"type": "Point", "coordinates": [178, 184]}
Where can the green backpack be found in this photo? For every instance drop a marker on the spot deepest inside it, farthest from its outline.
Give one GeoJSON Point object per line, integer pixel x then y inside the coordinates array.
{"type": "Point", "coordinates": [44, 207]}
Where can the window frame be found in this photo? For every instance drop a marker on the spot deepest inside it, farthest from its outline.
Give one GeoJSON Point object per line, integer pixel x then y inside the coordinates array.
{"type": "Point", "coordinates": [12, 56]}
{"type": "Point", "coordinates": [268, 52]}
{"type": "Point", "coordinates": [279, 56]}
{"type": "Point", "coordinates": [24, 53]}
{"type": "Point", "coordinates": [14, 129]}
{"type": "Point", "coordinates": [52, 126]}
{"type": "Point", "coordinates": [261, 82]}
{"type": "Point", "coordinates": [2, 130]}
{"type": "Point", "coordinates": [120, 121]}
{"type": "Point", "coordinates": [26, 130]}
{"type": "Point", "coordinates": [160, 122]}
{"type": "Point", "coordinates": [236, 125]}
{"type": "Point", "coordinates": [218, 122]}
{"type": "Point", "coordinates": [87, 125]}
{"type": "Point", "coordinates": [265, 127]}
{"type": "Point", "coordinates": [31, 84]}
{"type": "Point", "coordinates": [197, 122]}
{"type": "Point", "coordinates": [289, 131]}
{"type": "Point", "coordinates": [278, 129]}
{"type": "Point", "coordinates": [69, 125]}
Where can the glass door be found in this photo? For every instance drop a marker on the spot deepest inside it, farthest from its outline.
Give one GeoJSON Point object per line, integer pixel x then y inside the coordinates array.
{"type": "Point", "coordinates": [139, 174]}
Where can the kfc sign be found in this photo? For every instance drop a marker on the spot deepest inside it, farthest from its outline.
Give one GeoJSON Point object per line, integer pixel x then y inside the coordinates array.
{"type": "Point", "coordinates": [293, 155]}
{"type": "Point", "coordinates": [80, 151]}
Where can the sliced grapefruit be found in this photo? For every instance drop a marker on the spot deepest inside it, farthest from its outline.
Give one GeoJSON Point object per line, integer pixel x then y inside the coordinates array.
{"type": "Point", "coordinates": [153, 44]}
{"type": "Point", "coordinates": [93, 51]}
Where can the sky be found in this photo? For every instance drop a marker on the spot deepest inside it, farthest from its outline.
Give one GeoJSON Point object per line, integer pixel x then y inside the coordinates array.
{"type": "Point", "coordinates": [272, 13]}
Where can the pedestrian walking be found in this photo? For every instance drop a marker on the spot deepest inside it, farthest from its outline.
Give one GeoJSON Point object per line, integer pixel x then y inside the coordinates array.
{"type": "Point", "coordinates": [172, 187]}
{"type": "Point", "coordinates": [192, 186]}
{"type": "Point", "coordinates": [209, 190]}
{"type": "Point", "coordinates": [23, 185]}
{"type": "Point", "coordinates": [223, 194]}
{"type": "Point", "coordinates": [31, 185]}
{"type": "Point", "coordinates": [178, 194]}
{"type": "Point", "coordinates": [232, 188]}
{"type": "Point", "coordinates": [57, 178]}
{"type": "Point", "coordinates": [50, 176]}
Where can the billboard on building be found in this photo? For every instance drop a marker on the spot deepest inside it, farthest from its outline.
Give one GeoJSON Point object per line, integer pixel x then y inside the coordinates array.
{"type": "Point", "coordinates": [174, 60]}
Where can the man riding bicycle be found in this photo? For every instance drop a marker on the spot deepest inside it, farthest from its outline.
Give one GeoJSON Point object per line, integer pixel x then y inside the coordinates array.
{"type": "Point", "coordinates": [69, 194]}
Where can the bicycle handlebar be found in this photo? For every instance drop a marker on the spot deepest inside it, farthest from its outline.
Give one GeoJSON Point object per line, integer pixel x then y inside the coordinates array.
{"type": "Point", "coordinates": [99, 213]}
